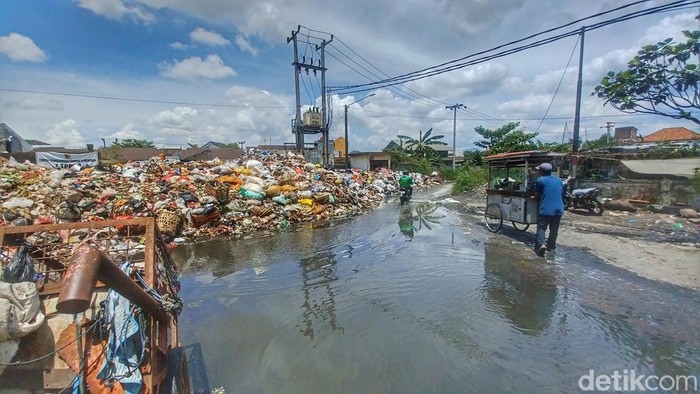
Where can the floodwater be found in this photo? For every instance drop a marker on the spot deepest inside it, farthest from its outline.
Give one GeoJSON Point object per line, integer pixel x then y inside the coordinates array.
{"type": "Point", "coordinates": [419, 299]}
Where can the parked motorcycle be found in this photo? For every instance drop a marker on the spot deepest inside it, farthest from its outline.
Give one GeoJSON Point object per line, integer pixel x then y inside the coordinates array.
{"type": "Point", "coordinates": [404, 196]}
{"type": "Point", "coordinates": [582, 198]}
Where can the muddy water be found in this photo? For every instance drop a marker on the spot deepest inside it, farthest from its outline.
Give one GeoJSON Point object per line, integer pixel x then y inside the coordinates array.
{"type": "Point", "coordinates": [420, 299]}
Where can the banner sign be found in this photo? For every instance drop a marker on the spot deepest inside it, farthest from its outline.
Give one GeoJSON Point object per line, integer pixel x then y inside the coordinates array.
{"type": "Point", "coordinates": [66, 160]}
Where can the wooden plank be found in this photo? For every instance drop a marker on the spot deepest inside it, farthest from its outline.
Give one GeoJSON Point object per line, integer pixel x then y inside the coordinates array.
{"type": "Point", "coordinates": [75, 226]}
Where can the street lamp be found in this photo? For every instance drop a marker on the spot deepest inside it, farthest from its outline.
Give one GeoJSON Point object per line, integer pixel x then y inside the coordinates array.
{"type": "Point", "coordinates": [347, 157]}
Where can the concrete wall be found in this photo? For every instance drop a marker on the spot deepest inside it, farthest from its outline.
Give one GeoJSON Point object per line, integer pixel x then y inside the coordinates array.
{"type": "Point", "coordinates": [662, 192]}
{"type": "Point", "coordinates": [362, 161]}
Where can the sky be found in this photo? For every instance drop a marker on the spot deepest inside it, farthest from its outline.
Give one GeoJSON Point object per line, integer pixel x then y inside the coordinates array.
{"type": "Point", "coordinates": [179, 72]}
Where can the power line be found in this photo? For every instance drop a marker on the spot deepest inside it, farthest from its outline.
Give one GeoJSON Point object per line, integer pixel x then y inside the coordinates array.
{"type": "Point", "coordinates": [135, 100]}
{"type": "Point", "coordinates": [559, 85]}
{"type": "Point", "coordinates": [440, 69]}
{"type": "Point", "coordinates": [501, 46]}
{"type": "Point", "coordinates": [396, 91]}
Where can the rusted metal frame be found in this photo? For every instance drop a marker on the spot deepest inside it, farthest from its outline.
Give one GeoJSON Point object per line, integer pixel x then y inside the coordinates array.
{"type": "Point", "coordinates": [89, 264]}
{"type": "Point", "coordinates": [33, 228]}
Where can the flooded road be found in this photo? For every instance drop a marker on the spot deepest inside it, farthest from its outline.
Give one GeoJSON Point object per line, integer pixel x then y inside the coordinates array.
{"type": "Point", "coordinates": [421, 299]}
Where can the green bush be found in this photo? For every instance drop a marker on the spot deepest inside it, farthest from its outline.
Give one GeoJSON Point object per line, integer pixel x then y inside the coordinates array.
{"type": "Point", "coordinates": [468, 179]}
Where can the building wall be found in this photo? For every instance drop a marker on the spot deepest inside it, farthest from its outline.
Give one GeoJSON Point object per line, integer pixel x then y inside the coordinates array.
{"type": "Point", "coordinates": [362, 161]}
{"type": "Point", "coordinates": [661, 192]}
{"type": "Point", "coordinates": [339, 145]}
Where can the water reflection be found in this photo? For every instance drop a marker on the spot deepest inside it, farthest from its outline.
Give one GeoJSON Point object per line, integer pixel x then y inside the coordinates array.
{"type": "Point", "coordinates": [411, 222]}
{"type": "Point", "coordinates": [318, 274]}
{"type": "Point", "coordinates": [522, 291]}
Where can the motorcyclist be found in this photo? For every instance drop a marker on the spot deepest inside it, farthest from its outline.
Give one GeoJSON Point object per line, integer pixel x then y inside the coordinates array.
{"type": "Point", "coordinates": [406, 182]}
{"type": "Point", "coordinates": [406, 223]}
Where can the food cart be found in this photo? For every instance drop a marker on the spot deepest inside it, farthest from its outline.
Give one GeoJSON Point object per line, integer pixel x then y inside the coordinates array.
{"type": "Point", "coordinates": [511, 178]}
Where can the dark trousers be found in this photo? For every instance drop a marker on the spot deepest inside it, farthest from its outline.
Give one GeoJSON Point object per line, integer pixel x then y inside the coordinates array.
{"type": "Point", "coordinates": [544, 221]}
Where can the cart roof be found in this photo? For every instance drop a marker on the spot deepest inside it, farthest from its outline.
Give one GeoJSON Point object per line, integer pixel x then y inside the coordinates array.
{"type": "Point", "coordinates": [533, 156]}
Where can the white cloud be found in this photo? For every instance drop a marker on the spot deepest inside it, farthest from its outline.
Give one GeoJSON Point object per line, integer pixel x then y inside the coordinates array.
{"type": "Point", "coordinates": [127, 132]}
{"type": "Point", "coordinates": [178, 45]}
{"type": "Point", "coordinates": [116, 9]}
{"type": "Point", "coordinates": [212, 67]}
{"type": "Point", "coordinates": [36, 103]}
{"type": "Point", "coordinates": [208, 37]}
{"type": "Point", "coordinates": [670, 27]}
{"type": "Point", "coordinates": [21, 48]}
{"type": "Point", "coordinates": [65, 134]}
{"type": "Point", "coordinates": [245, 46]}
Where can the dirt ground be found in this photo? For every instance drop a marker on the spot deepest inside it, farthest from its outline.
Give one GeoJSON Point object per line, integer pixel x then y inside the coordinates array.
{"type": "Point", "coordinates": [655, 246]}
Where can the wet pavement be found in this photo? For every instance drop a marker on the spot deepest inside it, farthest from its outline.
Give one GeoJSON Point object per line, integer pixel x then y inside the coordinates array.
{"type": "Point", "coordinates": [418, 299]}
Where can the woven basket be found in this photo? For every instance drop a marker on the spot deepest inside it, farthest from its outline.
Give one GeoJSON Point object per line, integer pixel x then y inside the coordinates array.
{"type": "Point", "coordinates": [200, 220]}
{"type": "Point", "coordinates": [168, 222]}
{"type": "Point", "coordinates": [217, 190]}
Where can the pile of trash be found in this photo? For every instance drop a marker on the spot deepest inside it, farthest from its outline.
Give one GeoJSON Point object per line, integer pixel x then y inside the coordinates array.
{"type": "Point", "coordinates": [193, 200]}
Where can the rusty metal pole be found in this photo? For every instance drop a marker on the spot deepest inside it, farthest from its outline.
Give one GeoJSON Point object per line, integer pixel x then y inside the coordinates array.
{"type": "Point", "coordinates": [87, 265]}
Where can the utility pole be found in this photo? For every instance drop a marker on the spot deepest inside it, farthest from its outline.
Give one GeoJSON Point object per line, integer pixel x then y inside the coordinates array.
{"type": "Point", "coordinates": [577, 118]}
{"type": "Point", "coordinates": [609, 126]}
{"type": "Point", "coordinates": [454, 132]}
{"type": "Point", "coordinates": [563, 135]}
{"type": "Point", "coordinates": [298, 127]}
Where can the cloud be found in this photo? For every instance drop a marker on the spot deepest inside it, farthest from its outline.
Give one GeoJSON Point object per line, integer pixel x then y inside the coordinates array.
{"type": "Point", "coordinates": [178, 45]}
{"type": "Point", "coordinates": [127, 132]}
{"type": "Point", "coordinates": [208, 37]}
{"type": "Point", "coordinates": [245, 46]}
{"type": "Point", "coordinates": [116, 9]}
{"type": "Point", "coordinates": [21, 48]}
{"type": "Point", "coordinates": [65, 134]}
{"type": "Point", "coordinates": [36, 103]}
{"type": "Point", "coordinates": [212, 67]}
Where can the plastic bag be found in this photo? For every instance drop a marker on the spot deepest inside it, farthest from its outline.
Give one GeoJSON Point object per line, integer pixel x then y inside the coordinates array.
{"type": "Point", "coordinates": [21, 267]}
{"type": "Point", "coordinates": [250, 194]}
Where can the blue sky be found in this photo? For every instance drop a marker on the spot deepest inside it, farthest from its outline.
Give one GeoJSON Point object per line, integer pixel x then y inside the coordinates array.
{"type": "Point", "coordinates": [234, 54]}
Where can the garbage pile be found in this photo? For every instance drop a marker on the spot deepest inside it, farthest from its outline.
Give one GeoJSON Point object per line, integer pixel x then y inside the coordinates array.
{"type": "Point", "coordinates": [194, 200]}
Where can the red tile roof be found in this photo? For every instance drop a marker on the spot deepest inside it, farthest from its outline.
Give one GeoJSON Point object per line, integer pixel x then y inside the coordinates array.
{"type": "Point", "coordinates": [672, 134]}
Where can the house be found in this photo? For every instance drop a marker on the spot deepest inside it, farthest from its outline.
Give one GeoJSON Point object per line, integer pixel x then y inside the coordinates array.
{"type": "Point", "coordinates": [339, 147]}
{"type": "Point", "coordinates": [369, 161]}
{"type": "Point", "coordinates": [672, 135]}
{"type": "Point", "coordinates": [626, 135]}
{"type": "Point", "coordinates": [215, 145]}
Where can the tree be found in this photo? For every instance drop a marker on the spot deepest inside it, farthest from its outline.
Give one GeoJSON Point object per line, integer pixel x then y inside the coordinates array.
{"type": "Point", "coordinates": [662, 79]}
{"type": "Point", "coordinates": [133, 143]}
{"type": "Point", "coordinates": [508, 138]}
{"type": "Point", "coordinates": [422, 147]}
{"type": "Point", "coordinates": [473, 157]}
{"type": "Point", "coordinates": [232, 145]}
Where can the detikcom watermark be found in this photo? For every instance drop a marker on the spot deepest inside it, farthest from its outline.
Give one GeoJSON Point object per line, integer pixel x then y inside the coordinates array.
{"type": "Point", "coordinates": [629, 380]}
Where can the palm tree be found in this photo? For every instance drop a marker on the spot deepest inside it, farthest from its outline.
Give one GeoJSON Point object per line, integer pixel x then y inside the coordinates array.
{"type": "Point", "coordinates": [422, 147]}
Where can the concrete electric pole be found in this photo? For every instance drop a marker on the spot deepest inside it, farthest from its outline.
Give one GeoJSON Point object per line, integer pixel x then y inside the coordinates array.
{"type": "Point", "coordinates": [454, 132]}
{"type": "Point", "coordinates": [609, 126]}
{"type": "Point", "coordinates": [298, 127]}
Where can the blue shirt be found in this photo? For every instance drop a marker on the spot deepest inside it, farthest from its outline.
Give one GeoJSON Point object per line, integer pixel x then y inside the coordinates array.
{"type": "Point", "coordinates": [550, 190]}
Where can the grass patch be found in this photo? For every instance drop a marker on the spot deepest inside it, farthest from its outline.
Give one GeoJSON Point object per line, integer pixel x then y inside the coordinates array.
{"type": "Point", "coordinates": [468, 179]}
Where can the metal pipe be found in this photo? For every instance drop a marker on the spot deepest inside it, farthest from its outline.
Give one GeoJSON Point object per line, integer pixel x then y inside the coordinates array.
{"type": "Point", "coordinates": [87, 265]}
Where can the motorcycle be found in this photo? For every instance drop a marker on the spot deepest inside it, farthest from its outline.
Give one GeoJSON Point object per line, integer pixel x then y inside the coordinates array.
{"type": "Point", "coordinates": [582, 198]}
{"type": "Point", "coordinates": [404, 196]}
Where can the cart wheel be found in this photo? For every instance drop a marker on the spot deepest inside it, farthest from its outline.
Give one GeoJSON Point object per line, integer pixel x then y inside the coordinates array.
{"type": "Point", "coordinates": [516, 224]}
{"type": "Point", "coordinates": [493, 217]}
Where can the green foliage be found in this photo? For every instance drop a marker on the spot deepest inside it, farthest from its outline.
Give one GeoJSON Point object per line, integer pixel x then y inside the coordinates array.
{"type": "Point", "coordinates": [662, 79]}
{"type": "Point", "coordinates": [421, 148]}
{"type": "Point", "coordinates": [468, 179]}
{"type": "Point", "coordinates": [473, 157]}
{"type": "Point", "coordinates": [133, 143]}
{"type": "Point", "coordinates": [509, 138]}
{"type": "Point", "coordinates": [232, 145]}
{"type": "Point", "coordinates": [601, 142]}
